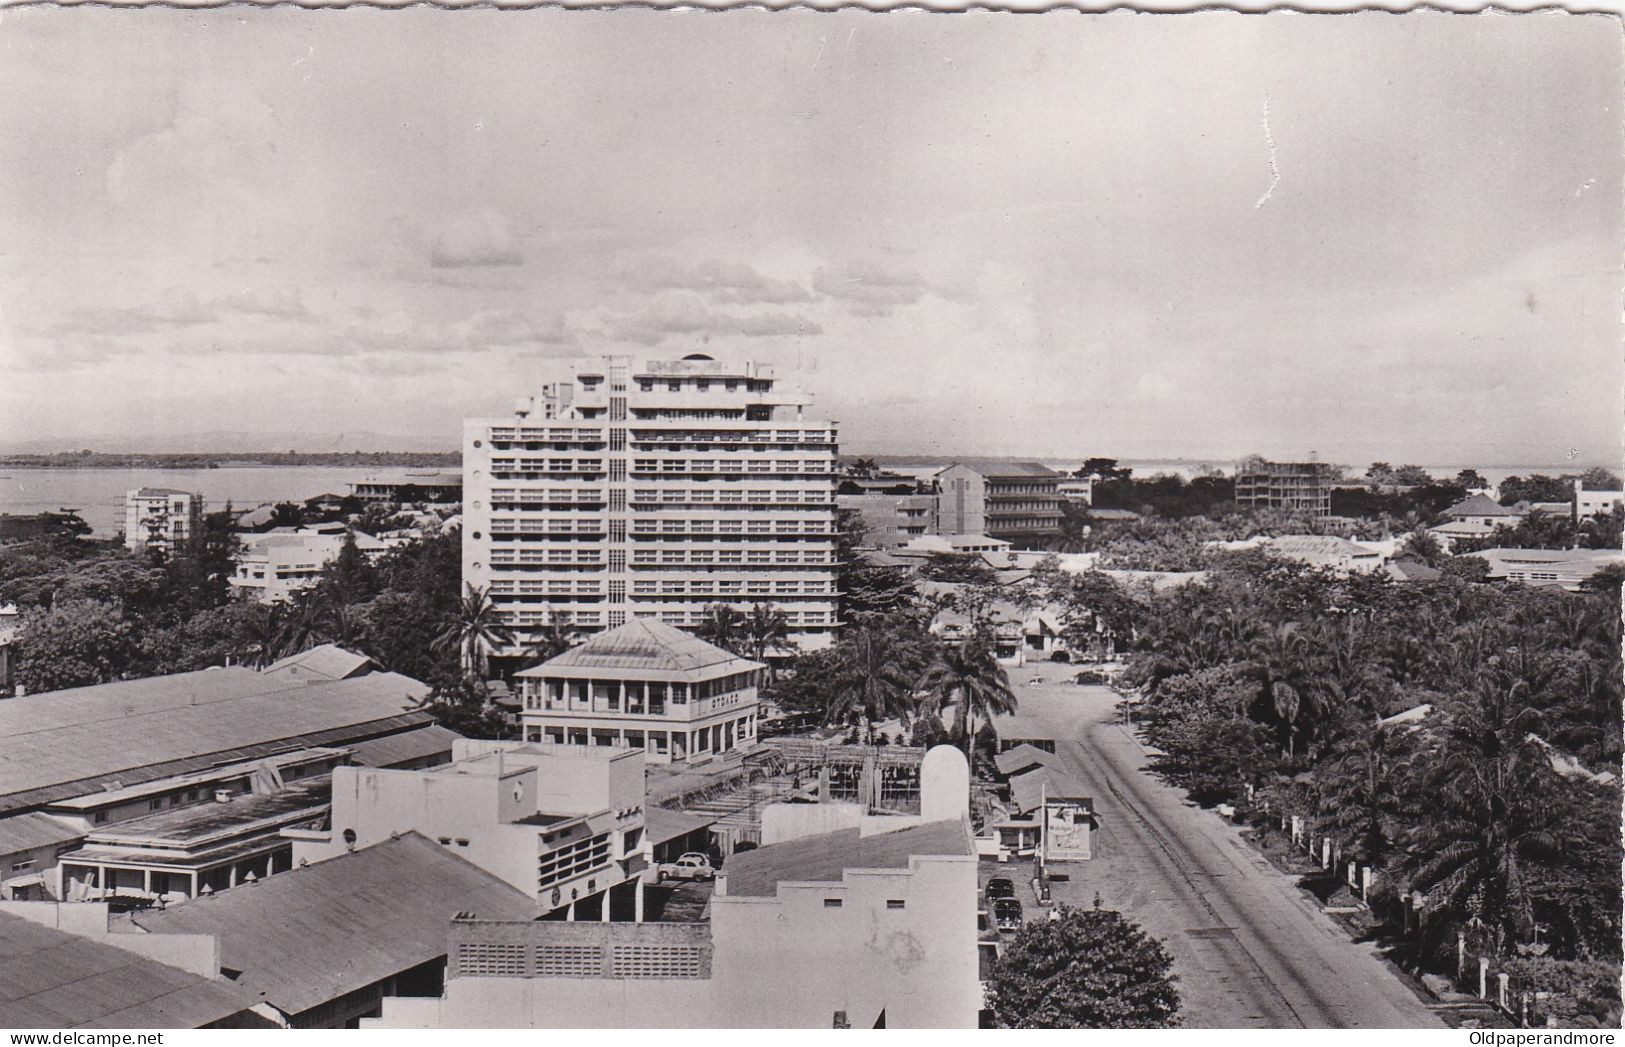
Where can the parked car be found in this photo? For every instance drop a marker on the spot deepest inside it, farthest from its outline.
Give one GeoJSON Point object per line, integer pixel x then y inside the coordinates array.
{"type": "Point", "coordinates": [691, 866]}
{"type": "Point", "coordinates": [1007, 914]}
{"type": "Point", "coordinates": [1000, 887]}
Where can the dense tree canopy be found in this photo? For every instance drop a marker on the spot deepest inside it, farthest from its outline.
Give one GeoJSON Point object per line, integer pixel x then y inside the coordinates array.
{"type": "Point", "coordinates": [1088, 969]}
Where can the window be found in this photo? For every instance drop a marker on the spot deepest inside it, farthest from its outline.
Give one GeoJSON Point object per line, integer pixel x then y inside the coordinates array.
{"type": "Point", "coordinates": [617, 439]}
{"type": "Point", "coordinates": [101, 818]}
{"type": "Point", "coordinates": [617, 530]}
{"type": "Point", "coordinates": [617, 470]}
{"type": "Point", "coordinates": [894, 903]}
{"type": "Point", "coordinates": [832, 903]}
{"type": "Point", "coordinates": [22, 866]}
{"type": "Point", "coordinates": [155, 805]}
{"type": "Point", "coordinates": [617, 501]}
{"type": "Point", "coordinates": [674, 387]}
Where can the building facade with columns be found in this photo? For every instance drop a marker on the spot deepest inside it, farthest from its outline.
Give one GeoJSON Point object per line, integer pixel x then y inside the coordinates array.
{"type": "Point", "coordinates": [644, 685]}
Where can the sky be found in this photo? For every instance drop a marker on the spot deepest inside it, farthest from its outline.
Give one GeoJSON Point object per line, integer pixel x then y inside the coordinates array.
{"type": "Point", "coordinates": [1370, 236]}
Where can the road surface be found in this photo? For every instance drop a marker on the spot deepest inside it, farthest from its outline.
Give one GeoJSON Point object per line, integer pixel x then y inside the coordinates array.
{"type": "Point", "coordinates": [1250, 948]}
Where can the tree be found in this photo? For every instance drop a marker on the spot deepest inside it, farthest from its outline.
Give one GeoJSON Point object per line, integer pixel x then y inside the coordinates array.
{"type": "Point", "coordinates": [1073, 537]}
{"type": "Point", "coordinates": [551, 640]}
{"type": "Point", "coordinates": [964, 568]}
{"type": "Point", "coordinates": [968, 676]}
{"type": "Point", "coordinates": [877, 666]}
{"type": "Point", "coordinates": [1102, 469]}
{"type": "Point", "coordinates": [1364, 790]}
{"type": "Point", "coordinates": [1536, 488]}
{"type": "Point", "coordinates": [1412, 476]}
{"type": "Point", "coordinates": [1466, 568]}
{"type": "Point", "coordinates": [1471, 480]}
{"type": "Point", "coordinates": [862, 467]}
{"type": "Point", "coordinates": [1207, 743]}
{"type": "Point", "coordinates": [1089, 969]}
{"type": "Point", "coordinates": [287, 514]}
{"type": "Point", "coordinates": [1380, 474]}
{"type": "Point", "coordinates": [765, 630]}
{"type": "Point", "coordinates": [723, 626]}
{"type": "Point", "coordinates": [475, 628]}
{"type": "Point", "coordinates": [349, 578]}
{"type": "Point", "coordinates": [1422, 546]}
{"type": "Point", "coordinates": [77, 643]}
{"type": "Point", "coordinates": [1599, 479]}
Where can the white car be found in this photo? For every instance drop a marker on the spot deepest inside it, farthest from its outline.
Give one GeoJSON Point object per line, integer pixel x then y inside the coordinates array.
{"type": "Point", "coordinates": [691, 866]}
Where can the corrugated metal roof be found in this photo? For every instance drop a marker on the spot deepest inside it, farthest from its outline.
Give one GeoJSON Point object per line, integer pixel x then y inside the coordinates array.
{"type": "Point", "coordinates": [328, 661]}
{"type": "Point", "coordinates": [1028, 790]}
{"type": "Point", "coordinates": [50, 710]}
{"type": "Point", "coordinates": [1318, 545]}
{"type": "Point", "coordinates": [647, 645]}
{"type": "Point", "coordinates": [76, 758]}
{"type": "Point", "coordinates": [54, 980]}
{"type": "Point", "coordinates": [1024, 757]}
{"type": "Point", "coordinates": [24, 832]}
{"type": "Point", "coordinates": [307, 936]}
{"type": "Point", "coordinates": [824, 857]}
{"type": "Point", "coordinates": [394, 749]}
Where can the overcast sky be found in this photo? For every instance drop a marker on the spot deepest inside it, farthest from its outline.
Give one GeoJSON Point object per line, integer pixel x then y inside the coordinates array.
{"type": "Point", "coordinates": [1371, 235]}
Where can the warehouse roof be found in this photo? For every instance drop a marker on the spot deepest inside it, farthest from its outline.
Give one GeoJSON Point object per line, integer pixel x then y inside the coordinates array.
{"type": "Point", "coordinates": [45, 763]}
{"type": "Point", "coordinates": [649, 647]}
{"type": "Point", "coordinates": [826, 856]}
{"type": "Point", "coordinates": [328, 661]}
{"type": "Point", "coordinates": [50, 979]}
{"type": "Point", "coordinates": [24, 832]}
{"type": "Point", "coordinates": [311, 935]}
{"type": "Point", "coordinates": [392, 750]}
{"type": "Point", "coordinates": [48, 710]}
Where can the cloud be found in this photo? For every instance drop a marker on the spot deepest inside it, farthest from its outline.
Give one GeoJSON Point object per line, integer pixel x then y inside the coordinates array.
{"type": "Point", "coordinates": [472, 239]}
{"type": "Point", "coordinates": [868, 289]}
{"type": "Point", "coordinates": [279, 304]}
{"type": "Point", "coordinates": [174, 308]}
{"type": "Point", "coordinates": [688, 315]}
{"type": "Point", "coordinates": [727, 283]}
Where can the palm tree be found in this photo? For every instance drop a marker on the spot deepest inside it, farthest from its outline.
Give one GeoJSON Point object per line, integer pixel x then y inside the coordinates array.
{"type": "Point", "coordinates": [722, 625]}
{"type": "Point", "coordinates": [875, 678]}
{"type": "Point", "coordinates": [257, 635]}
{"type": "Point", "coordinates": [968, 676]}
{"type": "Point", "coordinates": [476, 627]}
{"type": "Point", "coordinates": [1364, 795]}
{"type": "Point", "coordinates": [765, 629]}
{"type": "Point", "coordinates": [307, 624]}
{"type": "Point", "coordinates": [1073, 536]}
{"type": "Point", "coordinates": [1490, 817]}
{"type": "Point", "coordinates": [551, 640]}
{"type": "Point", "coordinates": [1281, 664]}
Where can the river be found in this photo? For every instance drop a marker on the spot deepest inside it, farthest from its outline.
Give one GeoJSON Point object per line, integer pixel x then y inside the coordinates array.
{"type": "Point", "coordinates": [98, 494]}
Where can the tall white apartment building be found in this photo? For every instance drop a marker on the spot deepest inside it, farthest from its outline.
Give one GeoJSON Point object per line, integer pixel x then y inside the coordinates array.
{"type": "Point", "coordinates": [653, 489]}
{"type": "Point", "coordinates": [161, 518]}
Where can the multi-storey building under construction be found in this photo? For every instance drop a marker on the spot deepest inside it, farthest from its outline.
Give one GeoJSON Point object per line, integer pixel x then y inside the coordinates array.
{"type": "Point", "coordinates": [1303, 487]}
{"type": "Point", "coordinates": [653, 489]}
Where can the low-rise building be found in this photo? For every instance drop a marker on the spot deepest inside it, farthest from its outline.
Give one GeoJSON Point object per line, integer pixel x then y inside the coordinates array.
{"type": "Point", "coordinates": [320, 947]}
{"type": "Point", "coordinates": [563, 825]}
{"type": "Point", "coordinates": [66, 973]}
{"type": "Point", "coordinates": [1016, 501]}
{"type": "Point", "coordinates": [1079, 490]}
{"type": "Point", "coordinates": [842, 920]}
{"type": "Point", "coordinates": [1325, 550]}
{"type": "Point", "coordinates": [644, 685]}
{"type": "Point", "coordinates": [1565, 568]}
{"type": "Point", "coordinates": [1595, 503]}
{"type": "Point", "coordinates": [433, 486]}
{"type": "Point", "coordinates": [273, 566]}
{"type": "Point", "coordinates": [161, 518]}
{"type": "Point", "coordinates": [119, 780]}
{"type": "Point", "coordinates": [891, 514]}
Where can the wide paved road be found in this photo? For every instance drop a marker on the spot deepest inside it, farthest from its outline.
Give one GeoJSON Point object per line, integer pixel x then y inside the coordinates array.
{"type": "Point", "coordinates": [1250, 948]}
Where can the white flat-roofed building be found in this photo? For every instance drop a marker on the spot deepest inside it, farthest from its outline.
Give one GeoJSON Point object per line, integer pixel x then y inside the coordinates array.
{"type": "Point", "coordinates": [1595, 503]}
{"type": "Point", "coordinates": [562, 825]}
{"type": "Point", "coordinates": [273, 566]}
{"type": "Point", "coordinates": [653, 488]}
{"type": "Point", "coordinates": [644, 685]}
{"type": "Point", "coordinates": [161, 518]}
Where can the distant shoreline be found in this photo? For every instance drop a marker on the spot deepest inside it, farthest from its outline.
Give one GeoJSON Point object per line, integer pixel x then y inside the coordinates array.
{"type": "Point", "coordinates": [239, 460]}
